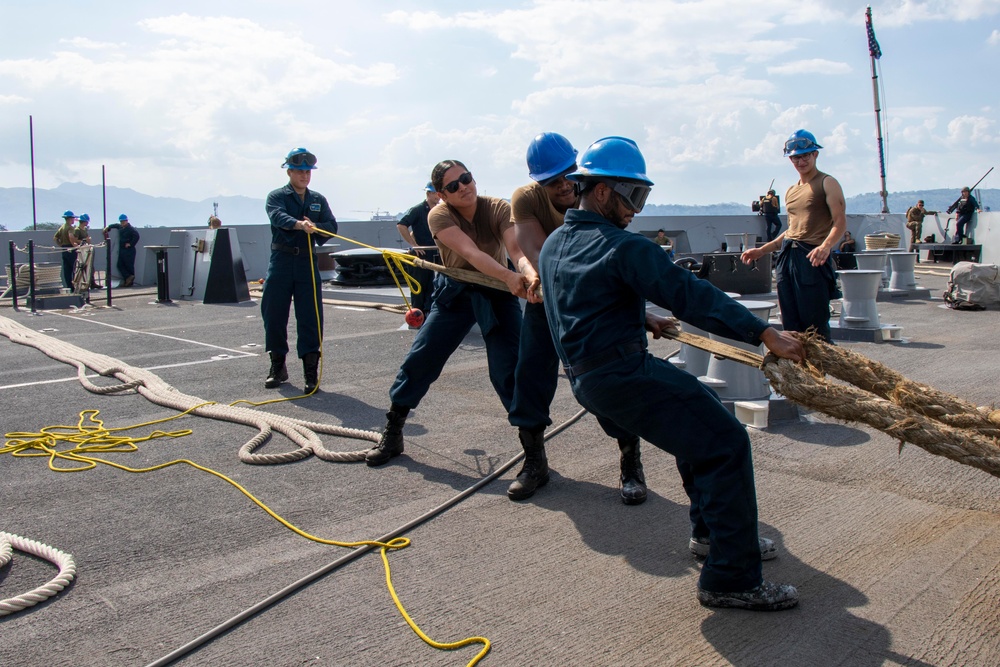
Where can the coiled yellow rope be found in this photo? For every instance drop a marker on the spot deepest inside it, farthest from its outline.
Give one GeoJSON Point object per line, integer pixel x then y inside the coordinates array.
{"type": "Point", "coordinates": [90, 437]}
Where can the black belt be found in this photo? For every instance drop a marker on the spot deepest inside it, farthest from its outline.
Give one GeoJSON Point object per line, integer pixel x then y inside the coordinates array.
{"type": "Point", "coordinates": [290, 249]}
{"type": "Point", "coordinates": [603, 358]}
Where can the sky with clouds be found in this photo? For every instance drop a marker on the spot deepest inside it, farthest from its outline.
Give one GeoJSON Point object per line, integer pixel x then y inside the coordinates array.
{"type": "Point", "coordinates": [194, 100]}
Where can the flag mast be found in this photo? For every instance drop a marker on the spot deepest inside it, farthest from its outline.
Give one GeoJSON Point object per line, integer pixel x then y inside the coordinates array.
{"type": "Point", "coordinates": [875, 52]}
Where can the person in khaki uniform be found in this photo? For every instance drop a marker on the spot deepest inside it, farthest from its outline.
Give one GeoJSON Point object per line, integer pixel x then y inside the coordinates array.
{"type": "Point", "coordinates": [65, 237]}
{"type": "Point", "coordinates": [915, 222]}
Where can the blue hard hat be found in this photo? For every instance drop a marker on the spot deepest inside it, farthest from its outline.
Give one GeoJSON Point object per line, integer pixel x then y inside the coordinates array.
{"type": "Point", "coordinates": [614, 158]}
{"type": "Point", "coordinates": [550, 155]}
{"type": "Point", "coordinates": [85, 217]}
{"type": "Point", "coordinates": [429, 187]}
{"type": "Point", "coordinates": [69, 214]}
{"type": "Point", "coordinates": [800, 142]}
{"type": "Point", "coordinates": [299, 159]}
{"type": "Point", "coordinates": [122, 218]}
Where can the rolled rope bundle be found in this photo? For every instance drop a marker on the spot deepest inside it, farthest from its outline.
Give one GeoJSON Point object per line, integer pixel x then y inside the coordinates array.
{"type": "Point", "coordinates": [153, 388]}
{"type": "Point", "coordinates": [876, 395]}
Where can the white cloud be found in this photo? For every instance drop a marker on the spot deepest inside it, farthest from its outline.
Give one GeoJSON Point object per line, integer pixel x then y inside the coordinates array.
{"type": "Point", "coordinates": [972, 132]}
{"type": "Point", "coordinates": [909, 12]}
{"type": "Point", "coordinates": [994, 38]}
{"type": "Point", "coordinates": [200, 69]}
{"type": "Point", "coordinates": [811, 66]}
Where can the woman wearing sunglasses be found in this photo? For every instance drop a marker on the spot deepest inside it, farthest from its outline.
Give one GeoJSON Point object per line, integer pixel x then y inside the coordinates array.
{"type": "Point", "coordinates": [473, 233]}
{"type": "Point", "coordinates": [817, 219]}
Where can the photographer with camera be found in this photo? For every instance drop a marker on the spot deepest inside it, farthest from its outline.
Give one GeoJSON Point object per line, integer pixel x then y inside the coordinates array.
{"type": "Point", "coordinates": [769, 208]}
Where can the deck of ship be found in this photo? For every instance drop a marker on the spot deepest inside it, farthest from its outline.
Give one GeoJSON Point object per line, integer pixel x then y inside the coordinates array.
{"type": "Point", "coordinates": [896, 554]}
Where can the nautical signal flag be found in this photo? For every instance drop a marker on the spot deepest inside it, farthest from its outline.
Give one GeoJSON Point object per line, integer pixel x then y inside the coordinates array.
{"type": "Point", "coordinates": [873, 48]}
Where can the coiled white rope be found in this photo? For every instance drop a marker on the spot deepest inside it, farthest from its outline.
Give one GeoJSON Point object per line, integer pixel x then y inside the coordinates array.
{"type": "Point", "coordinates": [67, 571]}
{"type": "Point", "coordinates": [152, 387]}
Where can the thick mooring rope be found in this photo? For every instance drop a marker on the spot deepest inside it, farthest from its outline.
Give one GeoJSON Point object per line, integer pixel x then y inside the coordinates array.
{"type": "Point", "coordinates": [153, 388]}
{"type": "Point", "coordinates": [878, 396]}
{"type": "Point", "coordinates": [67, 571]}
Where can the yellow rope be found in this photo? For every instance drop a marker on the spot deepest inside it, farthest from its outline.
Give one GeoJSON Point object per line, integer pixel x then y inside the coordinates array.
{"type": "Point", "coordinates": [90, 436]}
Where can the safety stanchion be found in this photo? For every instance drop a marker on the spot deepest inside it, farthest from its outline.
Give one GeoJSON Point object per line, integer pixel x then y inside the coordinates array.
{"type": "Point", "coordinates": [31, 275]}
{"type": "Point", "coordinates": [13, 276]}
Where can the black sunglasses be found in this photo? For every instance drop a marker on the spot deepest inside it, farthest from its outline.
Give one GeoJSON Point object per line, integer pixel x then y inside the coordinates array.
{"type": "Point", "coordinates": [299, 159]}
{"type": "Point", "coordinates": [464, 179]}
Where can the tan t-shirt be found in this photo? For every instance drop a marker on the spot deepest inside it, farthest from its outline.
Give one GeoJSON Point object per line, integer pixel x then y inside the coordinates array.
{"type": "Point", "coordinates": [62, 235]}
{"type": "Point", "coordinates": [532, 202]}
{"type": "Point", "coordinates": [486, 229]}
{"type": "Point", "coordinates": [809, 217]}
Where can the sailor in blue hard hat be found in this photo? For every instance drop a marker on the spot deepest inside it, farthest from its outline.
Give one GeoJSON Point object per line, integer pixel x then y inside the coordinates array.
{"type": "Point", "coordinates": [413, 229]}
{"type": "Point", "coordinates": [538, 210]}
{"type": "Point", "coordinates": [83, 228]}
{"type": "Point", "coordinates": [596, 279]}
{"type": "Point", "coordinates": [295, 212]}
{"type": "Point", "coordinates": [128, 239]}
{"type": "Point", "coordinates": [806, 278]}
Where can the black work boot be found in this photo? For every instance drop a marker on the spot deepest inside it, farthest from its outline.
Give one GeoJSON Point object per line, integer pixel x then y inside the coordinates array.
{"type": "Point", "coordinates": [310, 365]}
{"type": "Point", "coordinates": [633, 479]}
{"type": "Point", "coordinates": [391, 443]}
{"type": "Point", "coordinates": [535, 472]}
{"type": "Point", "coordinates": [278, 372]}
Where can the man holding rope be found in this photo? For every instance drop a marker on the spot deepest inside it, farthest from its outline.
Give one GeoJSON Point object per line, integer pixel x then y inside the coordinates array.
{"type": "Point", "coordinates": [596, 278]}
{"type": "Point", "coordinates": [295, 212]}
{"type": "Point", "coordinates": [472, 233]}
{"type": "Point", "coordinates": [538, 209]}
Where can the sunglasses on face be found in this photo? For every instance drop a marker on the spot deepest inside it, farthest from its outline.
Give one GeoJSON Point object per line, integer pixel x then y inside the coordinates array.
{"type": "Point", "coordinates": [464, 179]}
{"type": "Point", "coordinates": [300, 159]}
{"type": "Point", "coordinates": [804, 157]}
{"type": "Point", "coordinates": [634, 194]}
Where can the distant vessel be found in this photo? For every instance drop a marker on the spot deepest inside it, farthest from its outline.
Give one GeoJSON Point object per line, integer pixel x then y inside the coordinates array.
{"type": "Point", "coordinates": [379, 216]}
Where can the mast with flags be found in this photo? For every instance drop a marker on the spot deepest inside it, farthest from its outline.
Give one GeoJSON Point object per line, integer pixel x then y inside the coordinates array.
{"type": "Point", "coordinates": [875, 52]}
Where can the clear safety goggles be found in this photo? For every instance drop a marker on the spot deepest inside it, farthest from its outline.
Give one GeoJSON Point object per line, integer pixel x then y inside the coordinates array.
{"type": "Point", "coordinates": [793, 145]}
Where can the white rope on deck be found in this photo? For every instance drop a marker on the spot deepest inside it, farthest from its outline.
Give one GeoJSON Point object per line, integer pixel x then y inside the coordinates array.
{"type": "Point", "coordinates": [303, 433]}
{"type": "Point", "coordinates": [64, 561]}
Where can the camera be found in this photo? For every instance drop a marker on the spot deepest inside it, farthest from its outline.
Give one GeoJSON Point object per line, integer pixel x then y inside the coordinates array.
{"type": "Point", "coordinates": [758, 206]}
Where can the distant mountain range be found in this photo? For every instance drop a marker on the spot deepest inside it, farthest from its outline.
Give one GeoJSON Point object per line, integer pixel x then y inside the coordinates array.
{"type": "Point", "coordinates": [870, 202]}
{"type": "Point", "coordinates": [148, 211]}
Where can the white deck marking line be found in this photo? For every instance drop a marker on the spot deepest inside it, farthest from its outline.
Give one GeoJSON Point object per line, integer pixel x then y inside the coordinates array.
{"type": "Point", "coordinates": [150, 333]}
{"type": "Point", "coordinates": [95, 375]}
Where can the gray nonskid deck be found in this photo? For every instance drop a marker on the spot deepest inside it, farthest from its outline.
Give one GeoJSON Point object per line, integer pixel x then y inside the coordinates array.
{"type": "Point", "coordinates": [895, 554]}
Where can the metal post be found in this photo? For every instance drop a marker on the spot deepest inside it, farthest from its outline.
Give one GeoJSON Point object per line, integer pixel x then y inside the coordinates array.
{"type": "Point", "coordinates": [107, 242]}
{"type": "Point", "coordinates": [13, 277]}
{"type": "Point", "coordinates": [162, 277]}
{"type": "Point", "coordinates": [31, 274]}
{"type": "Point", "coordinates": [31, 134]}
{"type": "Point", "coordinates": [875, 52]}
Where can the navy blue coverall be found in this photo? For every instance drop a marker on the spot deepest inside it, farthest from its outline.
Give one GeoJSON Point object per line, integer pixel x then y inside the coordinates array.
{"type": "Point", "coordinates": [288, 275]}
{"type": "Point", "coordinates": [126, 256]}
{"type": "Point", "coordinates": [596, 279]}
{"type": "Point", "coordinates": [804, 291]}
{"type": "Point", "coordinates": [457, 306]}
{"type": "Point", "coordinates": [537, 372]}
